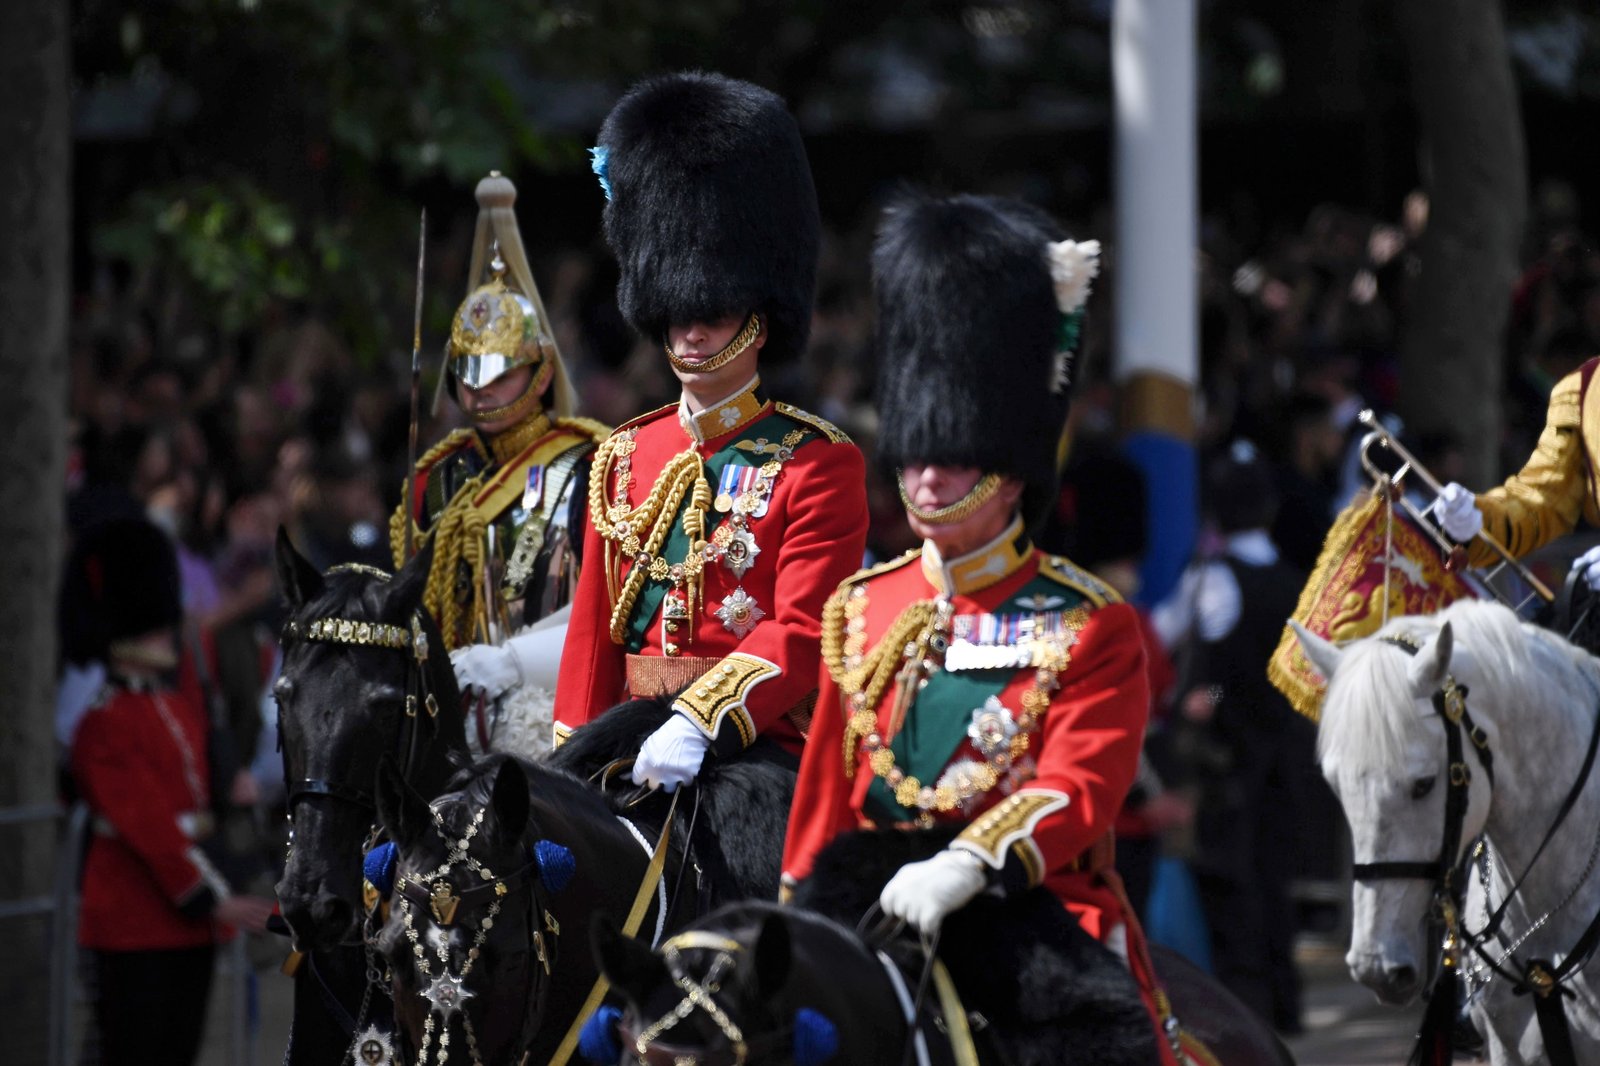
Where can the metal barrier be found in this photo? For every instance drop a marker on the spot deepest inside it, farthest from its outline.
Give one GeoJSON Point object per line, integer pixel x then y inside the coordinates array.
{"type": "Point", "coordinates": [60, 908]}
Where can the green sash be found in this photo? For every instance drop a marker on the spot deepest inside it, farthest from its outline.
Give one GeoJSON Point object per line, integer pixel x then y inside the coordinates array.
{"type": "Point", "coordinates": [936, 723]}
{"type": "Point", "coordinates": [772, 427]}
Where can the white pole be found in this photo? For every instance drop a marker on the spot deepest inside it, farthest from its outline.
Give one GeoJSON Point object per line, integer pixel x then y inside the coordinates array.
{"type": "Point", "coordinates": [1153, 47]}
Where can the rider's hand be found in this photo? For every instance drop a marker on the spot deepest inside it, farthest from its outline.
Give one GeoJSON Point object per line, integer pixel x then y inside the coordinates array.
{"type": "Point", "coordinates": [1589, 563]}
{"type": "Point", "coordinates": [1458, 514]}
{"type": "Point", "coordinates": [485, 668]}
{"type": "Point", "coordinates": [923, 893]}
{"type": "Point", "coordinates": [671, 756]}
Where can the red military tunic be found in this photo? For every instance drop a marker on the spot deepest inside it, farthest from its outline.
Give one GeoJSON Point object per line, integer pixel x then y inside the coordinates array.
{"type": "Point", "coordinates": [751, 640]}
{"type": "Point", "coordinates": [139, 758]}
{"type": "Point", "coordinates": [1038, 811]}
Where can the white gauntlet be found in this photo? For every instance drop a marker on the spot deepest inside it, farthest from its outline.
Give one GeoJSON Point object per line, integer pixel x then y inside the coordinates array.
{"type": "Point", "coordinates": [1458, 514]}
{"type": "Point", "coordinates": [923, 894]}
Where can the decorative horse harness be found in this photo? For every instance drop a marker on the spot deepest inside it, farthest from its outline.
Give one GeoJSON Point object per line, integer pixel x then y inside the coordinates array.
{"type": "Point", "coordinates": [411, 639]}
{"type": "Point", "coordinates": [370, 1045]}
{"type": "Point", "coordinates": [1537, 976]}
{"type": "Point", "coordinates": [433, 893]}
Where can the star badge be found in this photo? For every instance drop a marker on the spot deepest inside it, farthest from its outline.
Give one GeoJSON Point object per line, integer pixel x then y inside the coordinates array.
{"type": "Point", "coordinates": [992, 727]}
{"type": "Point", "coordinates": [739, 613]}
{"type": "Point", "coordinates": [374, 1048]}
{"type": "Point", "coordinates": [740, 552]}
{"type": "Point", "coordinates": [448, 993]}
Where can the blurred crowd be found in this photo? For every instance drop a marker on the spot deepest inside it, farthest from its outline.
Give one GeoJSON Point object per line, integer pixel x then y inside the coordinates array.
{"type": "Point", "coordinates": [221, 443]}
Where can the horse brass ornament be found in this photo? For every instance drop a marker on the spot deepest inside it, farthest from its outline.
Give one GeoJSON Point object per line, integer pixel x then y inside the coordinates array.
{"type": "Point", "coordinates": [443, 902]}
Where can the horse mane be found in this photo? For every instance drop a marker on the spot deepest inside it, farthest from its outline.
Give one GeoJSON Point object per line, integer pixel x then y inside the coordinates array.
{"type": "Point", "coordinates": [1361, 723]}
{"type": "Point", "coordinates": [474, 779]}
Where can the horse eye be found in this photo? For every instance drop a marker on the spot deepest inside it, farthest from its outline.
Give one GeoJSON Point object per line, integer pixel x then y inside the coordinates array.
{"type": "Point", "coordinates": [1422, 786]}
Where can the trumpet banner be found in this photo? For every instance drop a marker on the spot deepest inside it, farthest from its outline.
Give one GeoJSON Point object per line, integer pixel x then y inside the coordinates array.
{"type": "Point", "coordinates": [1344, 599]}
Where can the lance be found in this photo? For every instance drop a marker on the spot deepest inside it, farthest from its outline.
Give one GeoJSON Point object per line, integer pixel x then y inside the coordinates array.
{"type": "Point", "coordinates": [416, 388]}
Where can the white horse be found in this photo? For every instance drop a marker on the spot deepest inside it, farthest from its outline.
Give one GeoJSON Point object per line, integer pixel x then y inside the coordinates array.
{"type": "Point", "coordinates": [1382, 747]}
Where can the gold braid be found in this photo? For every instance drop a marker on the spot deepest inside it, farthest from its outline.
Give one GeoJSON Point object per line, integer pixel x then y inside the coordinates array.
{"type": "Point", "coordinates": [637, 535]}
{"type": "Point", "coordinates": [864, 685]}
{"type": "Point", "coordinates": [458, 537]}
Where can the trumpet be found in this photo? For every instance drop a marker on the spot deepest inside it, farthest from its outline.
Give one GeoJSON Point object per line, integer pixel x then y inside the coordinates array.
{"type": "Point", "coordinates": [1455, 554]}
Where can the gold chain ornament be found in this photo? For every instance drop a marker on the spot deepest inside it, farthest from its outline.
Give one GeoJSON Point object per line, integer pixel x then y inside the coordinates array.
{"type": "Point", "coordinates": [951, 513]}
{"type": "Point", "coordinates": [730, 351]}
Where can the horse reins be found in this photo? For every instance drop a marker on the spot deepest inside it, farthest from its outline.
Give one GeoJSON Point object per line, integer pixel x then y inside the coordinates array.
{"type": "Point", "coordinates": [1538, 976]}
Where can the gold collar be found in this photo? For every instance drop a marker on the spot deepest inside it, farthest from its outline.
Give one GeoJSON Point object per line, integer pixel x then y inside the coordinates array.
{"type": "Point", "coordinates": [988, 565]}
{"type": "Point", "coordinates": [722, 418]}
{"type": "Point", "coordinates": [514, 440]}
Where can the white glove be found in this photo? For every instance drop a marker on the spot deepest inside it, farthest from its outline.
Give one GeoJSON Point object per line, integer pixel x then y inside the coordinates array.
{"type": "Point", "coordinates": [1589, 563]}
{"type": "Point", "coordinates": [1458, 513]}
{"type": "Point", "coordinates": [671, 756]}
{"type": "Point", "coordinates": [923, 893]}
{"type": "Point", "coordinates": [486, 668]}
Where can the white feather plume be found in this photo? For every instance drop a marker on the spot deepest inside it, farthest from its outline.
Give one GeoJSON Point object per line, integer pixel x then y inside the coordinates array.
{"type": "Point", "coordinates": [1073, 265]}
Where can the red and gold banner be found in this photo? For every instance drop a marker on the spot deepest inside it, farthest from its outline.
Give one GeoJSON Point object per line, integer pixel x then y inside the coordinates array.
{"type": "Point", "coordinates": [1344, 598]}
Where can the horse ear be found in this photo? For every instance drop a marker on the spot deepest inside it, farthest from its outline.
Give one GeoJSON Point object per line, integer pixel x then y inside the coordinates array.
{"type": "Point", "coordinates": [400, 810]}
{"type": "Point", "coordinates": [1431, 664]}
{"type": "Point", "coordinates": [631, 967]}
{"type": "Point", "coordinates": [1323, 654]}
{"type": "Point", "coordinates": [509, 800]}
{"type": "Point", "coordinates": [404, 594]}
{"type": "Point", "coordinates": [773, 955]}
{"type": "Point", "coordinates": [297, 578]}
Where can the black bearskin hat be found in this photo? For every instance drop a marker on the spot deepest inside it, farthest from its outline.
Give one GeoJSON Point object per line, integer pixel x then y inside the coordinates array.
{"type": "Point", "coordinates": [971, 337]}
{"type": "Point", "coordinates": [711, 211]}
{"type": "Point", "coordinates": [121, 581]}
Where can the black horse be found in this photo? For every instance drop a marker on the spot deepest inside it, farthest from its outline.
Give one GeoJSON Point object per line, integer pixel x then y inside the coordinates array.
{"type": "Point", "coordinates": [564, 850]}
{"type": "Point", "coordinates": [1048, 993]}
{"type": "Point", "coordinates": [364, 678]}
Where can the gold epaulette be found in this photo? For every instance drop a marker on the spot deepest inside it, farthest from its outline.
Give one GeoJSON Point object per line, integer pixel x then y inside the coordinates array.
{"type": "Point", "coordinates": [833, 433]}
{"type": "Point", "coordinates": [1566, 401]}
{"type": "Point", "coordinates": [1068, 574]}
{"type": "Point", "coordinates": [881, 568]}
{"type": "Point", "coordinates": [585, 427]}
{"type": "Point", "coordinates": [648, 416]}
{"type": "Point", "coordinates": [453, 442]}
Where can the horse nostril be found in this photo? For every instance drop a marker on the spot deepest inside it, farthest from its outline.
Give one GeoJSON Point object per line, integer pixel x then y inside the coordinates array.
{"type": "Point", "coordinates": [1402, 978]}
{"type": "Point", "coordinates": [333, 916]}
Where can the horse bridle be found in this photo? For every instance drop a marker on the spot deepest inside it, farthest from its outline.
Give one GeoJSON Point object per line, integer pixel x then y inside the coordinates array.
{"type": "Point", "coordinates": [1450, 704]}
{"type": "Point", "coordinates": [1538, 976]}
{"type": "Point", "coordinates": [433, 894]}
{"type": "Point", "coordinates": [411, 639]}
{"type": "Point", "coordinates": [698, 995]}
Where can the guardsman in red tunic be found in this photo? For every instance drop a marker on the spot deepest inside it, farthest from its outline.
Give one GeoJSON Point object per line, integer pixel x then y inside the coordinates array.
{"type": "Point", "coordinates": [502, 502]}
{"type": "Point", "coordinates": [979, 680]}
{"type": "Point", "coordinates": [153, 906]}
{"type": "Point", "coordinates": [720, 524]}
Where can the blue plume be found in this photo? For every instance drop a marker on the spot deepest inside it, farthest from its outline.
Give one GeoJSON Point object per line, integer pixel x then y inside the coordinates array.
{"type": "Point", "coordinates": [378, 867]}
{"type": "Point", "coordinates": [556, 864]}
{"type": "Point", "coordinates": [598, 1041]}
{"type": "Point", "coordinates": [598, 156]}
{"type": "Point", "coordinates": [815, 1038]}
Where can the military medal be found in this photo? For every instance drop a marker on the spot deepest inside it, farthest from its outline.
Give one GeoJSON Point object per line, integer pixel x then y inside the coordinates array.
{"type": "Point", "coordinates": [740, 552]}
{"type": "Point", "coordinates": [739, 613]}
{"type": "Point", "coordinates": [534, 491]}
{"type": "Point", "coordinates": [448, 993]}
{"type": "Point", "coordinates": [374, 1048]}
